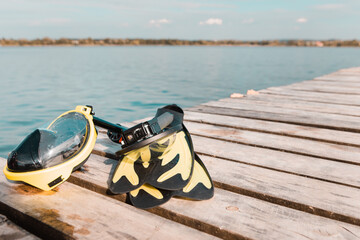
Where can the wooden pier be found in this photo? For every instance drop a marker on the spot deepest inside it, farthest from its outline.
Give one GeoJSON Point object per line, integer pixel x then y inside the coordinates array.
{"type": "Point", "coordinates": [285, 163]}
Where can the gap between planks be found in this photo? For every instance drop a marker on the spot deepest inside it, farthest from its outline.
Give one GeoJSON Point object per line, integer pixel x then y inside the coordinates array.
{"type": "Point", "coordinates": [277, 128]}
{"type": "Point", "coordinates": [222, 179]}
{"type": "Point", "coordinates": [10, 231]}
{"type": "Point", "coordinates": [316, 149]}
{"type": "Point", "coordinates": [326, 88]}
{"type": "Point", "coordinates": [284, 102]}
{"type": "Point", "coordinates": [320, 83]}
{"type": "Point", "coordinates": [181, 208]}
{"type": "Point", "coordinates": [338, 77]}
{"type": "Point", "coordinates": [202, 141]}
{"type": "Point", "coordinates": [72, 212]}
{"type": "Point", "coordinates": [338, 99]}
{"type": "Point", "coordinates": [276, 160]}
{"type": "Point", "coordinates": [292, 116]}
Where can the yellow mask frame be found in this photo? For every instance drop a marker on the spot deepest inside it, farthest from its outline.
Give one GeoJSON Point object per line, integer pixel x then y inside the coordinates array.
{"type": "Point", "coordinates": [49, 178]}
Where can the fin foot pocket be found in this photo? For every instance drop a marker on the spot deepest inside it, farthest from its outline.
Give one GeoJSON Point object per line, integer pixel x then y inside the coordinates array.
{"type": "Point", "coordinates": [156, 168]}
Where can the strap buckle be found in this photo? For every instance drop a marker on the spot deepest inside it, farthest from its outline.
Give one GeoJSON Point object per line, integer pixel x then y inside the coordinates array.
{"type": "Point", "coordinates": [136, 133]}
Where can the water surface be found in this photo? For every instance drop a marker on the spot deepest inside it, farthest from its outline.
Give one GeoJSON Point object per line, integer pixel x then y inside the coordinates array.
{"type": "Point", "coordinates": [127, 83]}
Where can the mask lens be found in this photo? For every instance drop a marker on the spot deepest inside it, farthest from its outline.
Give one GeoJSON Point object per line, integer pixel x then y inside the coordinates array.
{"type": "Point", "coordinates": [47, 147]}
{"type": "Point", "coordinates": [63, 139]}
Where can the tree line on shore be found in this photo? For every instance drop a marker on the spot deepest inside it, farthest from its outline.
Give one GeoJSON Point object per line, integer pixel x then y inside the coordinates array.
{"type": "Point", "coordinates": [134, 42]}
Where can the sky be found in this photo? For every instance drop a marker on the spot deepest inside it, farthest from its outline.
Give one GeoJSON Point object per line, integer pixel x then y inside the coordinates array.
{"type": "Point", "coordinates": [182, 19]}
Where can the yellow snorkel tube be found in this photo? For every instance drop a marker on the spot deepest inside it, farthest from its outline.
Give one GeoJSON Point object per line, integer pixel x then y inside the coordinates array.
{"type": "Point", "coordinates": [48, 156]}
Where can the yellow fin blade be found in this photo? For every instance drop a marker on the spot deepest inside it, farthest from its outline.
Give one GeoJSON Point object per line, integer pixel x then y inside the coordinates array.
{"type": "Point", "coordinates": [126, 168]}
{"type": "Point", "coordinates": [149, 189]}
{"type": "Point", "coordinates": [198, 176]}
{"type": "Point", "coordinates": [145, 154]}
{"type": "Point", "coordinates": [181, 148]}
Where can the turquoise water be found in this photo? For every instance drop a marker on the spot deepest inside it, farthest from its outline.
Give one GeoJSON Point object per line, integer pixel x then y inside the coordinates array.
{"type": "Point", "coordinates": [127, 83]}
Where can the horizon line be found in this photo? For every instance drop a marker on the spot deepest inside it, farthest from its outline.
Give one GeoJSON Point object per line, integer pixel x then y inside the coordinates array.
{"type": "Point", "coordinates": [181, 39]}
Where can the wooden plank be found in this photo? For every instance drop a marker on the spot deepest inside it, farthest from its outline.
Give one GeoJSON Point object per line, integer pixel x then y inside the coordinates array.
{"type": "Point", "coordinates": [347, 72]}
{"type": "Point", "coordinates": [277, 142]}
{"type": "Point", "coordinates": [307, 99]}
{"type": "Point", "coordinates": [319, 134]}
{"type": "Point", "coordinates": [327, 199]}
{"type": "Point", "coordinates": [324, 89]}
{"type": "Point", "coordinates": [314, 96]}
{"type": "Point", "coordinates": [353, 72]}
{"type": "Point", "coordinates": [285, 102]}
{"type": "Point", "coordinates": [232, 215]}
{"type": "Point", "coordinates": [300, 117]}
{"type": "Point", "coordinates": [350, 70]}
{"type": "Point", "coordinates": [261, 220]}
{"type": "Point", "coordinates": [336, 172]}
{"type": "Point", "coordinates": [321, 83]}
{"type": "Point", "coordinates": [104, 146]}
{"type": "Point", "coordinates": [70, 212]}
{"type": "Point", "coordinates": [247, 105]}
{"type": "Point", "coordinates": [10, 231]}
{"type": "Point", "coordinates": [245, 179]}
{"type": "Point", "coordinates": [316, 168]}
{"type": "Point", "coordinates": [337, 77]}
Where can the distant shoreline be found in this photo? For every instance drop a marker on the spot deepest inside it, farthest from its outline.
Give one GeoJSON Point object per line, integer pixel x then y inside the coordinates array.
{"type": "Point", "coordinates": [173, 42]}
{"type": "Point", "coordinates": [148, 45]}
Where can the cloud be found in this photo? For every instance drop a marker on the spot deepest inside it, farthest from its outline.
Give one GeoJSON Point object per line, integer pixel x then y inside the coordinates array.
{"type": "Point", "coordinates": [212, 21]}
{"type": "Point", "coordinates": [159, 22]}
{"type": "Point", "coordinates": [301, 20]}
{"type": "Point", "coordinates": [329, 6]}
{"type": "Point", "coordinates": [248, 21]}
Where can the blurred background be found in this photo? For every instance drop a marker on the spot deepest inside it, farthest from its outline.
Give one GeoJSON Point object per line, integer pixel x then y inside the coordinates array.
{"type": "Point", "coordinates": [129, 58]}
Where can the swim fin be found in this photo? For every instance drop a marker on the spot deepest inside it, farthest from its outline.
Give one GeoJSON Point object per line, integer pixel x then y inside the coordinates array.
{"type": "Point", "coordinates": [148, 196]}
{"type": "Point", "coordinates": [157, 161]}
{"type": "Point", "coordinates": [166, 164]}
{"type": "Point", "coordinates": [200, 187]}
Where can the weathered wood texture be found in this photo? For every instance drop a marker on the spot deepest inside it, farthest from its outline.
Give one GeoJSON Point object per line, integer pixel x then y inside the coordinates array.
{"type": "Point", "coordinates": [234, 177]}
{"type": "Point", "coordinates": [340, 77]}
{"type": "Point", "coordinates": [319, 83]}
{"type": "Point", "coordinates": [279, 128]}
{"type": "Point", "coordinates": [299, 104]}
{"type": "Point", "coordinates": [324, 88]}
{"type": "Point", "coordinates": [299, 117]}
{"type": "Point", "coordinates": [70, 211]}
{"type": "Point", "coordinates": [283, 143]}
{"type": "Point", "coordinates": [10, 231]}
{"type": "Point", "coordinates": [229, 214]}
{"type": "Point", "coordinates": [285, 164]}
{"type": "Point", "coordinates": [314, 117]}
{"type": "Point", "coordinates": [227, 172]}
{"type": "Point", "coordinates": [297, 152]}
{"type": "Point", "coordinates": [342, 99]}
{"type": "Point", "coordinates": [352, 71]}
{"type": "Point", "coordinates": [316, 168]}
